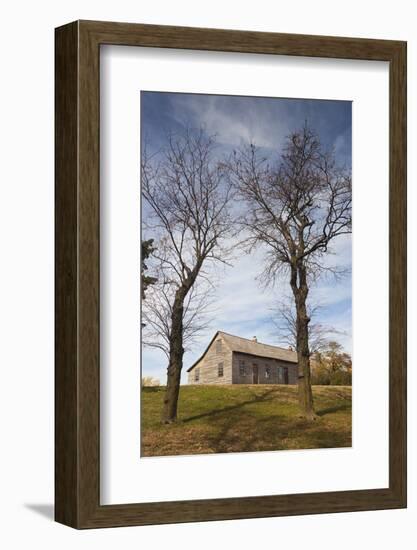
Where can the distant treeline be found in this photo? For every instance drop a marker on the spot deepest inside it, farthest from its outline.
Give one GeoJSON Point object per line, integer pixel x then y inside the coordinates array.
{"type": "Point", "coordinates": [332, 366]}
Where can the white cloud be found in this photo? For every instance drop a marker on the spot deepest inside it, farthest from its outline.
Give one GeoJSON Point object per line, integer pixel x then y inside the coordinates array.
{"type": "Point", "coordinates": [231, 129]}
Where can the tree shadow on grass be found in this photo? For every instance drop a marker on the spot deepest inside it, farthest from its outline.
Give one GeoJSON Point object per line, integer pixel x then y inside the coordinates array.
{"type": "Point", "coordinates": [244, 431]}
{"type": "Point", "coordinates": [232, 437]}
{"type": "Point", "coordinates": [275, 433]}
{"type": "Point", "coordinates": [337, 408]}
{"type": "Point", "coordinates": [243, 426]}
{"type": "Point", "coordinates": [266, 396]}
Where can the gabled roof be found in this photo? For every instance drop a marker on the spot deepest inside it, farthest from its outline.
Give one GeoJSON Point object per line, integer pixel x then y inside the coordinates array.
{"type": "Point", "coordinates": [251, 347]}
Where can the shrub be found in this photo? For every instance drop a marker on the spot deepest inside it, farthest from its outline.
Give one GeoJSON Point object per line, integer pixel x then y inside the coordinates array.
{"type": "Point", "coordinates": [149, 381]}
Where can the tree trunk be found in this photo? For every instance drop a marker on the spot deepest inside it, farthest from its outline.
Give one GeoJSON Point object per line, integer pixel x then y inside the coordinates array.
{"type": "Point", "coordinates": [176, 352]}
{"type": "Point", "coordinates": [305, 394]}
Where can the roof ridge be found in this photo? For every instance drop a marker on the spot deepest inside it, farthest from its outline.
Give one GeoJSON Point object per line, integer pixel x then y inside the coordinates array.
{"type": "Point", "coordinates": [253, 341]}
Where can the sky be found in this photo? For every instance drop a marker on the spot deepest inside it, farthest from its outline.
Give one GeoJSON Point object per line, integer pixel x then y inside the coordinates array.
{"type": "Point", "coordinates": [242, 306]}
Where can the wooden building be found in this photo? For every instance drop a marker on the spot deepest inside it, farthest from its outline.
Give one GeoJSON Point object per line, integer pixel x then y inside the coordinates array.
{"type": "Point", "coordinates": [231, 359]}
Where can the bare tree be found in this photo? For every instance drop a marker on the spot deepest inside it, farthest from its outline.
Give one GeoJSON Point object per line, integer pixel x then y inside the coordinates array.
{"type": "Point", "coordinates": [187, 193]}
{"type": "Point", "coordinates": [295, 209]}
{"type": "Point", "coordinates": [284, 319]}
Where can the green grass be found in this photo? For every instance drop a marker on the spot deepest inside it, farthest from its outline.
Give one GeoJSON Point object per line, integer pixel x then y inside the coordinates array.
{"type": "Point", "coordinates": [223, 419]}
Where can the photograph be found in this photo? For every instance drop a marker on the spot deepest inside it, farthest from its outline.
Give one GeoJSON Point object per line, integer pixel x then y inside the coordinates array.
{"type": "Point", "coordinates": [246, 289]}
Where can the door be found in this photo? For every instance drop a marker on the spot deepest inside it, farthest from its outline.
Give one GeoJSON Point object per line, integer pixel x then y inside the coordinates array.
{"type": "Point", "coordinates": [255, 374]}
{"type": "Point", "coordinates": [286, 375]}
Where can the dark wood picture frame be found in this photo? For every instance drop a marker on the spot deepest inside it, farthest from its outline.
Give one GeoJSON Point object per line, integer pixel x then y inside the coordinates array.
{"type": "Point", "coordinates": [77, 374]}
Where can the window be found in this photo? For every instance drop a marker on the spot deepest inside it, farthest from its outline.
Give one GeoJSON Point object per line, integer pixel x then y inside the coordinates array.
{"type": "Point", "coordinates": [197, 375]}
{"type": "Point", "coordinates": [218, 346]}
{"type": "Point", "coordinates": [220, 369]}
{"type": "Point", "coordinates": [267, 372]}
{"type": "Point", "coordinates": [280, 374]}
{"type": "Point", "coordinates": [242, 369]}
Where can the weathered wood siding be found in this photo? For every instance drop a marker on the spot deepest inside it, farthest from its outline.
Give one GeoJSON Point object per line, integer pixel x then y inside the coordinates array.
{"type": "Point", "coordinates": [208, 367]}
{"type": "Point", "coordinates": [275, 366]}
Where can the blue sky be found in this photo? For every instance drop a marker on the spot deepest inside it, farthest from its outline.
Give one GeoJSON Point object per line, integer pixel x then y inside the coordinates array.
{"type": "Point", "coordinates": [242, 306]}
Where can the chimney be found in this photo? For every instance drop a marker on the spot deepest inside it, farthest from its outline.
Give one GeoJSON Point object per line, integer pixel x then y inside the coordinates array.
{"type": "Point", "coordinates": [290, 348]}
{"type": "Point", "coordinates": [254, 339]}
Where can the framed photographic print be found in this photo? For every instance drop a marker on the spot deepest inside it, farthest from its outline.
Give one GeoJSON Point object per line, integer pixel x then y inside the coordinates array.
{"type": "Point", "coordinates": [230, 274]}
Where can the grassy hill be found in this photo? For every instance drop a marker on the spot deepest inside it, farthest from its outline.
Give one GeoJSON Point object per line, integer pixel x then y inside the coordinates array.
{"type": "Point", "coordinates": [222, 419]}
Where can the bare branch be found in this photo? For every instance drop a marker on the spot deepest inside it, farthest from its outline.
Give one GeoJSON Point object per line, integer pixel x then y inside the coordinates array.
{"type": "Point", "coordinates": [284, 319]}
{"type": "Point", "coordinates": [296, 207]}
